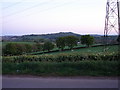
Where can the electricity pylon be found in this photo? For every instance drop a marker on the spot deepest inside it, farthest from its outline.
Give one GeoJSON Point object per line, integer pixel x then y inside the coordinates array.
{"type": "Point", "coordinates": [112, 19]}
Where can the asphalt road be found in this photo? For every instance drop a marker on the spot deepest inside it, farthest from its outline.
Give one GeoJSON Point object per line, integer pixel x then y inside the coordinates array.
{"type": "Point", "coordinates": [56, 82]}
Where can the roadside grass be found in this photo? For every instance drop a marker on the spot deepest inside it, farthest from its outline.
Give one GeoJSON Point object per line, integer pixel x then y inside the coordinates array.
{"type": "Point", "coordinates": [80, 68]}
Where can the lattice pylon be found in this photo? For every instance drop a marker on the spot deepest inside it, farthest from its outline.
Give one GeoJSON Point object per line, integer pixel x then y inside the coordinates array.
{"type": "Point", "coordinates": [112, 21]}
{"type": "Point", "coordinates": [112, 18]}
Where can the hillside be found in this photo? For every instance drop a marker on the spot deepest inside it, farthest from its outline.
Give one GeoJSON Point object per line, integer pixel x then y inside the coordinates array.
{"type": "Point", "coordinates": [33, 37]}
{"type": "Point", "coordinates": [52, 37]}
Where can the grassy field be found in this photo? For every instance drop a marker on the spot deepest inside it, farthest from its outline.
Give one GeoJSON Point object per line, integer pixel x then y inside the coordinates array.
{"type": "Point", "coordinates": [93, 50]}
{"type": "Point", "coordinates": [100, 49]}
{"type": "Point", "coordinates": [91, 61]}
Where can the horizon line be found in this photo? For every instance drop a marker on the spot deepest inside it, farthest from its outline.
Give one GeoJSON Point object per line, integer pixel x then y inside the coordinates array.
{"type": "Point", "coordinates": [56, 33]}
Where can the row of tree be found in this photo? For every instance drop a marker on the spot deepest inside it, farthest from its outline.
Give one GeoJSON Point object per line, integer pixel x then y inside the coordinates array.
{"type": "Point", "coordinates": [18, 49]}
{"type": "Point", "coordinates": [61, 43]}
{"type": "Point", "coordinates": [69, 41]}
{"type": "Point", "coordinates": [15, 49]}
{"type": "Point", "coordinates": [72, 41]}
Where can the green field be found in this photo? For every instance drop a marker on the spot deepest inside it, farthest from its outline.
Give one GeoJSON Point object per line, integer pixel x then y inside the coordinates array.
{"type": "Point", "coordinates": [4, 43]}
{"type": "Point", "coordinates": [99, 49]}
{"type": "Point", "coordinates": [93, 50]}
{"type": "Point", "coordinates": [93, 61]}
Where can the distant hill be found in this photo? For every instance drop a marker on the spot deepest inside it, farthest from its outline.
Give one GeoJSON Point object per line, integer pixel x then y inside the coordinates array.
{"type": "Point", "coordinates": [34, 37]}
{"type": "Point", "coordinates": [52, 37]}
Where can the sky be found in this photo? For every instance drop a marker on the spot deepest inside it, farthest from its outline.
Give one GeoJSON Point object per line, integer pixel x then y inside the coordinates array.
{"type": "Point", "coordinates": [21, 17]}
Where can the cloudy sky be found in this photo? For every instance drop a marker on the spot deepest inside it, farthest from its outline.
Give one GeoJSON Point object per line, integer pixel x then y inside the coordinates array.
{"type": "Point", "coordinates": [20, 17]}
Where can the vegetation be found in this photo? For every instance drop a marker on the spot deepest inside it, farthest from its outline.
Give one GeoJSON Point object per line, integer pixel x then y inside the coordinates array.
{"type": "Point", "coordinates": [118, 39]}
{"type": "Point", "coordinates": [16, 49]}
{"type": "Point", "coordinates": [60, 58]}
{"type": "Point", "coordinates": [52, 37]}
{"type": "Point", "coordinates": [12, 49]}
{"type": "Point", "coordinates": [71, 41]}
{"type": "Point", "coordinates": [48, 46]}
{"type": "Point", "coordinates": [87, 39]}
{"type": "Point", "coordinates": [86, 51]}
{"type": "Point", "coordinates": [69, 64]}
{"type": "Point", "coordinates": [38, 38]}
{"type": "Point", "coordinates": [60, 42]}
{"type": "Point", "coordinates": [38, 47]}
{"type": "Point", "coordinates": [5, 43]}
{"type": "Point", "coordinates": [81, 60]}
{"type": "Point", "coordinates": [91, 68]}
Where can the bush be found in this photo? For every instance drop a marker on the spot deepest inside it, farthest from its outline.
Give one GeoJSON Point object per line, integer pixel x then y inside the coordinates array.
{"type": "Point", "coordinates": [16, 49]}
{"type": "Point", "coordinates": [48, 46]}
{"type": "Point", "coordinates": [61, 58]}
{"type": "Point", "coordinates": [87, 40]}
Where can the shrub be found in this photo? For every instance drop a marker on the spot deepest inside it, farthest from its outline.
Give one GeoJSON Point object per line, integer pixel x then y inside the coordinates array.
{"type": "Point", "coordinates": [61, 57]}
{"type": "Point", "coordinates": [16, 49]}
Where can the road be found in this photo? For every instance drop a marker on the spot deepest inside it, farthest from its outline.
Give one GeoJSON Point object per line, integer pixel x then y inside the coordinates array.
{"type": "Point", "coordinates": [58, 82]}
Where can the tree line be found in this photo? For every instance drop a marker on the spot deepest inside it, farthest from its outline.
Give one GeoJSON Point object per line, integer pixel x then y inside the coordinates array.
{"type": "Point", "coordinates": [61, 43]}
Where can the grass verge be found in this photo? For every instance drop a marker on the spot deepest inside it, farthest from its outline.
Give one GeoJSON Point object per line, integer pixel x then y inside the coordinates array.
{"type": "Point", "coordinates": [80, 68]}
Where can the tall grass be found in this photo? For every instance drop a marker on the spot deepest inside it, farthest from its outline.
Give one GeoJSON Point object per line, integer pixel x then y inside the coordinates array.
{"type": "Point", "coordinates": [92, 68]}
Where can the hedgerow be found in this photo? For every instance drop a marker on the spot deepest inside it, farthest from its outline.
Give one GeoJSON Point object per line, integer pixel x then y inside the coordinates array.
{"type": "Point", "coordinates": [61, 57]}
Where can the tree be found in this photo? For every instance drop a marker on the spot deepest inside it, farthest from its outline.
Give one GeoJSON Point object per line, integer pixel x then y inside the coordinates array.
{"type": "Point", "coordinates": [48, 46]}
{"type": "Point", "coordinates": [9, 49]}
{"type": "Point", "coordinates": [16, 49]}
{"type": "Point", "coordinates": [12, 49]}
{"type": "Point", "coordinates": [118, 39]}
{"type": "Point", "coordinates": [41, 40]}
{"type": "Point", "coordinates": [87, 40]}
{"type": "Point", "coordinates": [28, 48]}
{"type": "Point", "coordinates": [20, 48]}
{"type": "Point", "coordinates": [71, 41]}
{"type": "Point", "coordinates": [39, 47]}
{"type": "Point", "coordinates": [60, 42]}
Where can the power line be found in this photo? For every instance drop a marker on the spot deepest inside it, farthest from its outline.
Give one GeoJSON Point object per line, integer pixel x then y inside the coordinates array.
{"type": "Point", "coordinates": [11, 5]}
{"type": "Point", "coordinates": [53, 7]}
{"type": "Point", "coordinates": [37, 5]}
{"type": "Point", "coordinates": [49, 8]}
